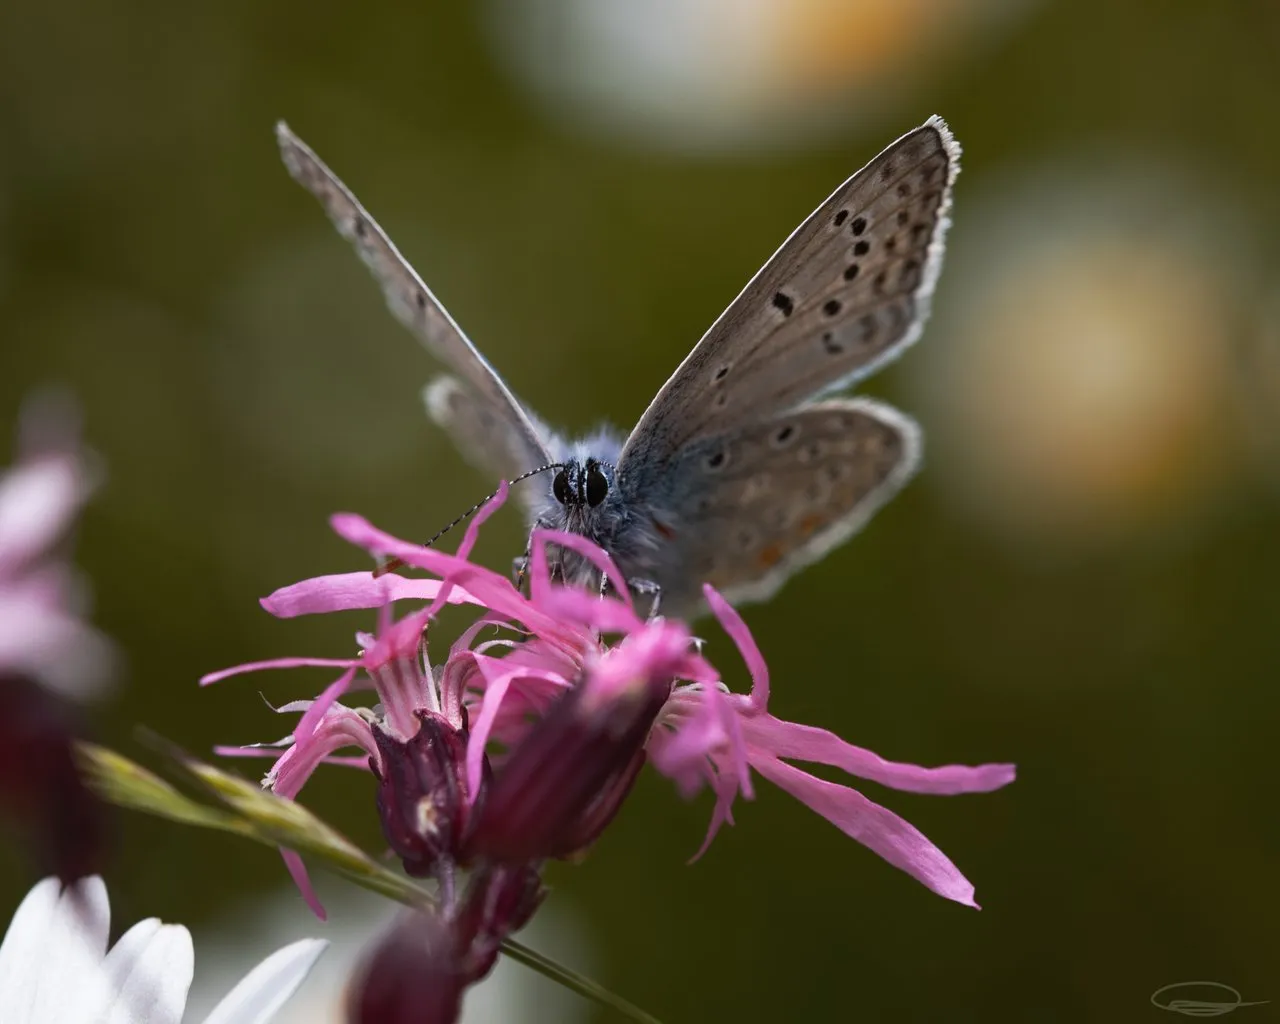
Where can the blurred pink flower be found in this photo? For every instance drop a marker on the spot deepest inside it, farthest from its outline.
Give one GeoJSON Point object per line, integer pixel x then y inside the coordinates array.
{"type": "Point", "coordinates": [42, 637]}
{"type": "Point", "coordinates": [536, 737]}
{"type": "Point", "coordinates": [48, 654]}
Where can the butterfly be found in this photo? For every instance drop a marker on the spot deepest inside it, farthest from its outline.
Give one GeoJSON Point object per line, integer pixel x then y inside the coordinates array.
{"type": "Point", "coordinates": [740, 472]}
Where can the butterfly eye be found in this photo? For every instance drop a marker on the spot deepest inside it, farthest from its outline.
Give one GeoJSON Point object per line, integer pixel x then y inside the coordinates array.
{"type": "Point", "coordinates": [597, 486]}
{"type": "Point", "coordinates": [560, 487]}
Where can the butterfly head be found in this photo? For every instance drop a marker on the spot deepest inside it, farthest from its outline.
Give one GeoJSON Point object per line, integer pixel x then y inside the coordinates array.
{"type": "Point", "coordinates": [582, 485]}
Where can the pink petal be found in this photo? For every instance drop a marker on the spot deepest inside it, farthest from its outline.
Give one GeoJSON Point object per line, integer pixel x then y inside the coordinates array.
{"type": "Point", "coordinates": [303, 881]}
{"type": "Point", "coordinates": [38, 501]}
{"type": "Point", "coordinates": [721, 814]}
{"type": "Point", "coordinates": [396, 640]}
{"type": "Point", "coordinates": [737, 747]}
{"type": "Point", "coordinates": [451, 696]}
{"type": "Point", "coordinates": [328, 697]}
{"type": "Point", "coordinates": [498, 679]}
{"type": "Point", "coordinates": [711, 731]}
{"type": "Point", "coordinates": [348, 761]}
{"type": "Point", "coordinates": [689, 775]}
{"type": "Point", "coordinates": [58, 649]}
{"type": "Point", "coordinates": [479, 738]}
{"type": "Point", "coordinates": [348, 590]}
{"type": "Point", "coordinates": [738, 632]}
{"type": "Point", "coordinates": [258, 666]}
{"type": "Point", "coordinates": [469, 539]}
{"type": "Point", "coordinates": [539, 572]}
{"type": "Point", "coordinates": [680, 756]}
{"type": "Point", "coordinates": [472, 533]}
{"type": "Point", "coordinates": [459, 670]}
{"type": "Point", "coordinates": [491, 590]}
{"type": "Point", "coordinates": [340, 727]}
{"type": "Point", "coordinates": [605, 615]}
{"type": "Point", "coordinates": [501, 597]}
{"type": "Point", "coordinates": [357, 530]}
{"type": "Point", "coordinates": [535, 652]}
{"type": "Point", "coordinates": [593, 553]}
{"type": "Point", "coordinates": [879, 829]}
{"type": "Point", "coordinates": [777, 738]}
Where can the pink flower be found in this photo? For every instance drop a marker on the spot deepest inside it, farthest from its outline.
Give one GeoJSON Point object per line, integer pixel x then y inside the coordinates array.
{"type": "Point", "coordinates": [536, 734]}
{"type": "Point", "coordinates": [42, 637]}
{"type": "Point", "coordinates": [47, 653]}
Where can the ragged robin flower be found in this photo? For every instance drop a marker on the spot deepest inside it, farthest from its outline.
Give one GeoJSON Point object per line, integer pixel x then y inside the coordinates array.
{"type": "Point", "coordinates": [522, 746]}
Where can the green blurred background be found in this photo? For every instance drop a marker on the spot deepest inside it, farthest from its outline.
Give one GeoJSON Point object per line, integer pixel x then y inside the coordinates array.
{"type": "Point", "coordinates": [1083, 579]}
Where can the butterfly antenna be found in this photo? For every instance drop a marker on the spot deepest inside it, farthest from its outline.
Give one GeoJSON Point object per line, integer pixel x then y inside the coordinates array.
{"type": "Point", "coordinates": [395, 563]}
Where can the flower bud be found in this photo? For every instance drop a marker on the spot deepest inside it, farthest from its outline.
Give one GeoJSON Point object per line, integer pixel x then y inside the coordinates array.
{"type": "Point", "coordinates": [499, 902]}
{"type": "Point", "coordinates": [567, 778]}
{"type": "Point", "coordinates": [422, 796]}
{"type": "Point", "coordinates": [415, 974]}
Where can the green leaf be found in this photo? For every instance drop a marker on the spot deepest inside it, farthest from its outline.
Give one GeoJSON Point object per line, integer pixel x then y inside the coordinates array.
{"type": "Point", "coordinates": [248, 810]}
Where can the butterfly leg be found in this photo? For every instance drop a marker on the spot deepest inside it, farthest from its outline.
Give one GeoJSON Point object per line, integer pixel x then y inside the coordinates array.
{"type": "Point", "coordinates": [519, 570]}
{"type": "Point", "coordinates": [649, 588]}
{"type": "Point", "coordinates": [643, 588]}
{"type": "Point", "coordinates": [520, 566]}
{"type": "Point", "coordinates": [637, 587]}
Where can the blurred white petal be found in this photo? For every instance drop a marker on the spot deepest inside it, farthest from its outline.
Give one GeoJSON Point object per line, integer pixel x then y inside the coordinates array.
{"type": "Point", "coordinates": [149, 970]}
{"type": "Point", "coordinates": [51, 952]}
{"type": "Point", "coordinates": [1078, 382]}
{"type": "Point", "coordinates": [55, 967]}
{"type": "Point", "coordinates": [710, 74]}
{"type": "Point", "coordinates": [265, 989]}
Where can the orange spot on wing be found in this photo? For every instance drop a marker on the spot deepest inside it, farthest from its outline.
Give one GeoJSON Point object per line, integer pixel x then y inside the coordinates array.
{"type": "Point", "coordinates": [663, 528]}
{"type": "Point", "coordinates": [770, 556]}
{"type": "Point", "coordinates": [810, 523]}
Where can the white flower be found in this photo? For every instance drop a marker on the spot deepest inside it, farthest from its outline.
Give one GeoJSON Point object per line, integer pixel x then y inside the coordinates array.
{"type": "Point", "coordinates": [55, 967]}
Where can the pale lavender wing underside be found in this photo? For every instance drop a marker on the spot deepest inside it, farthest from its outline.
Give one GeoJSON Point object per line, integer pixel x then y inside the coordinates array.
{"type": "Point", "coordinates": [513, 444]}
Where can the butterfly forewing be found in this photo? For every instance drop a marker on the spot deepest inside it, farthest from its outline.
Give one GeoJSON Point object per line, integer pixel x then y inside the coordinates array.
{"type": "Point", "coordinates": [847, 291]}
{"type": "Point", "coordinates": [778, 494]}
{"type": "Point", "coordinates": [478, 429]}
{"type": "Point", "coordinates": [414, 306]}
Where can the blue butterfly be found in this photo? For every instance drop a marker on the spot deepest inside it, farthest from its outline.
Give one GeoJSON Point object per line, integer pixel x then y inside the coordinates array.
{"type": "Point", "coordinates": [739, 473]}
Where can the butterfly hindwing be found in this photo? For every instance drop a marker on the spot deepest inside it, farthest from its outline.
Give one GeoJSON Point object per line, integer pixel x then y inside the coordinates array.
{"type": "Point", "coordinates": [775, 496]}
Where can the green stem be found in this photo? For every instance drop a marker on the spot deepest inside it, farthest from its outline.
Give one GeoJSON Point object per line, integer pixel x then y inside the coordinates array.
{"type": "Point", "coordinates": [248, 811]}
